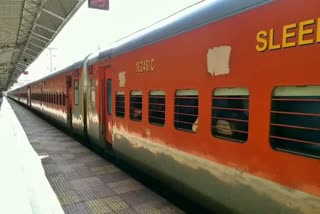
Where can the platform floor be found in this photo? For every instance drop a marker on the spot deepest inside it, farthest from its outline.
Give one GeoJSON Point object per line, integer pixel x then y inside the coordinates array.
{"type": "Point", "coordinates": [83, 181]}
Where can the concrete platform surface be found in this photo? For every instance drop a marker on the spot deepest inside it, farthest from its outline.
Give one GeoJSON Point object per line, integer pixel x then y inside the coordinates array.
{"type": "Point", "coordinates": [23, 184]}
{"type": "Point", "coordinates": [83, 181]}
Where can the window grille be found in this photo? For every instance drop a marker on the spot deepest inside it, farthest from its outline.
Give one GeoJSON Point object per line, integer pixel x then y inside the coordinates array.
{"type": "Point", "coordinates": [76, 92]}
{"type": "Point", "coordinates": [186, 110]}
{"type": "Point", "coordinates": [120, 104]}
{"type": "Point", "coordinates": [136, 105]}
{"type": "Point", "coordinates": [295, 120]}
{"type": "Point", "coordinates": [157, 106]}
{"type": "Point", "coordinates": [230, 114]}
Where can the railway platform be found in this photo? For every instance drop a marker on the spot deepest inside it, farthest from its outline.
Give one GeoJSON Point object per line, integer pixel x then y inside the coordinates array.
{"type": "Point", "coordinates": [23, 184]}
{"type": "Point", "coordinates": [80, 180]}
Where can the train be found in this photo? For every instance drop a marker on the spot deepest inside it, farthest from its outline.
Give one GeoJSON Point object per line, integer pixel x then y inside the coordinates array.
{"type": "Point", "coordinates": [221, 105]}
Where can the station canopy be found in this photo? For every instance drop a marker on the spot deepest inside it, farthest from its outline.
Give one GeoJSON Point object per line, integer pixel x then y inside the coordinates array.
{"type": "Point", "coordinates": [27, 27]}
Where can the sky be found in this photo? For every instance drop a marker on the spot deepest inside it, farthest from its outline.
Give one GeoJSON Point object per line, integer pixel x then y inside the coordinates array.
{"type": "Point", "coordinates": [90, 30]}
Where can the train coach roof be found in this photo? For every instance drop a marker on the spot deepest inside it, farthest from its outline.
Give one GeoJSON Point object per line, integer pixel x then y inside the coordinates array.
{"type": "Point", "coordinates": [213, 11]}
{"type": "Point", "coordinates": [74, 66]}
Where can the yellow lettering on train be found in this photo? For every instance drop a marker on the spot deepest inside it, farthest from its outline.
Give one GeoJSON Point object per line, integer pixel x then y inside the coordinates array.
{"type": "Point", "coordinates": [153, 66]}
{"type": "Point", "coordinates": [306, 32]}
{"type": "Point", "coordinates": [287, 35]}
{"type": "Point", "coordinates": [318, 32]}
{"type": "Point", "coordinates": [261, 38]}
{"type": "Point", "coordinates": [145, 65]}
{"type": "Point", "coordinates": [272, 46]}
{"type": "Point", "coordinates": [303, 32]}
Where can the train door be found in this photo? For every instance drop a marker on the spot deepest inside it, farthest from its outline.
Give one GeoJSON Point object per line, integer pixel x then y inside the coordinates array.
{"type": "Point", "coordinates": [29, 96]}
{"type": "Point", "coordinates": [41, 97]}
{"type": "Point", "coordinates": [102, 106]}
{"type": "Point", "coordinates": [68, 101]}
{"type": "Point", "coordinates": [108, 105]}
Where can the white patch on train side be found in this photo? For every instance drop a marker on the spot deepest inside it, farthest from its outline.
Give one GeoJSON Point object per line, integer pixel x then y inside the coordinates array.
{"type": "Point", "coordinates": [122, 79]}
{"type": "Point", "coordinates": [289, 198]}
{"type": "Point", "coordinates": [218, 60]}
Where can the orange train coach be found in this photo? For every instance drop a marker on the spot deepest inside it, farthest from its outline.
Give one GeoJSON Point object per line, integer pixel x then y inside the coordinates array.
{"type": "Point", "coordinates": [222, 104]}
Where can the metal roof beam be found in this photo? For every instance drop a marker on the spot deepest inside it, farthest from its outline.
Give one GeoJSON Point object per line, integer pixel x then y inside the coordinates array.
{"type": "Point", "coordinates": [38, 39]}
{"type": "Point", "coordinates": [31, 13]}
{"type": "Point", "coordinates": [24, 53]}
{"type": "Point", "coordinates": [40, 36]}
{"type": "Point", "coordinates": [53, 14]}
{"type": "Point", "coordinates": [43, 27]}
{"type": "Point", "coordinates": [32, 50]}
{"type": "Point", "coordinates": [38, 46]}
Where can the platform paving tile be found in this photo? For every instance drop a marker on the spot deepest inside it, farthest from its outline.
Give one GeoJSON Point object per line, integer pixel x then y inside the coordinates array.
{"type": "Point", "coordinates": [76, 208]}
{"type": "Point", "coordinates": [78, 173]}
{"type": "Point", "coordinates": [58, 177]}
{"type": "Point", "coordinates": [66, 167]}
{"type": "Point", "coordinates": [68, 197]}
{"type": "Point", "coordinates": [60, 187]}
{"type": "Point", "coordinates": [158, 206]}
{"type": "Point", "coordinates": [84, 182]}
{"type": "Point", "coordinates": [97, 163]}
{"type": "Point", "coordinates": [88, 184]}
{"type": "Point", "coordinates": [125, 186]}
{"type": "Point", "coordinates": [107, 205]}
{"type": "Point", "coordinates": [103, 170]}
{"type": "Point", "coordinates": [139, 197]}
{"type": "Point", "coordinates": [51, 169]}
{"type": "Point", "coordinates": [126, 211]}
{"type": "Point", "coordinates": [92, 195]}
{"type": "Point", "coordinates": [46, 160]}
{"type": "Point", "coordinates": [112, 177]}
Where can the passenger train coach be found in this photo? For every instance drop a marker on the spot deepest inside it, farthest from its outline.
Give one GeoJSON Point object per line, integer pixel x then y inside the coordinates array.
{"type": "Point", "coordinates": [222, 104]}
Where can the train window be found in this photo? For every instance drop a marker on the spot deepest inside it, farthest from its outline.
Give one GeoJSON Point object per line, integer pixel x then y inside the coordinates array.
{"type": "Point", "coordinates": [109, 98]}
{"type": "Point", "coordinates": [60, 98]}
{"type": "Point", "coordinates": [230, 114]}
{"type": "Point", "coordinates": [93, 93]}
{"type": "Point", "coordinates": [186, 110]}
{"type": "Point", "coordinates": [120, 104]}
{"type": "Point", "coordinates": [90, 70]}
{"type": "Point", "coordinates": [76, 92]}
{"type": "Point", "coordinates": [64, 99]}
{"type": "Point", "coordinates": [295, 120]}
{"type": "Point", "coordinates": [136, 105]}
{"type": "Point", "coordinates": [157, 105]}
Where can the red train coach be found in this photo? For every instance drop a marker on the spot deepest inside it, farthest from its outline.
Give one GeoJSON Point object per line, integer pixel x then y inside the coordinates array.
{"type": "Point", "coordinates": [222, 104]}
